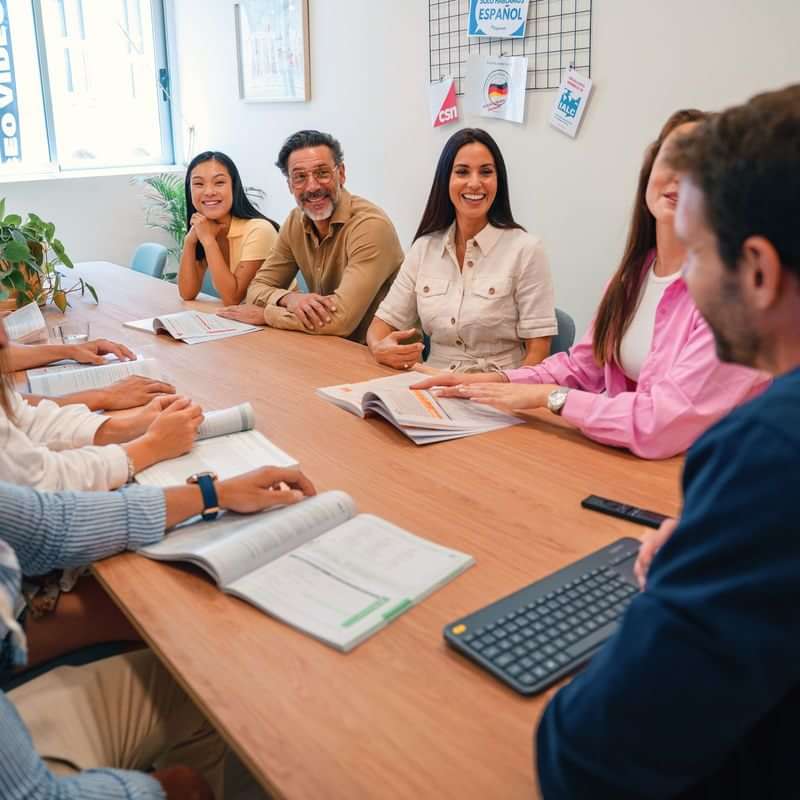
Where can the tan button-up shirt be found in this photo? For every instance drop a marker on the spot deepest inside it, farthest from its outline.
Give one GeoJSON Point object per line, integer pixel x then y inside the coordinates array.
{"type": "Point", "coordinates": [356, 263]}
{"type": "Point", "coordinates": [478, 317]}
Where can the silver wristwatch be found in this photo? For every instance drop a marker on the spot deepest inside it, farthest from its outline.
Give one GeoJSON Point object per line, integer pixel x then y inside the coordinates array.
{"type": "Point", "coordinates": [556, 399]}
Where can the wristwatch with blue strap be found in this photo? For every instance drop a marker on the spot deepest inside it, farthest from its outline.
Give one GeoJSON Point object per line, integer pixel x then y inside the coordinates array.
{"type": "Point", "coordinates": [205, 480]}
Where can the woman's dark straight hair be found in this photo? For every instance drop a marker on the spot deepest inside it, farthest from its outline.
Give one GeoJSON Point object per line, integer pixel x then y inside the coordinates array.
{"type": "Point", "coordinates": [621, 297]}
{"type": "Point", "coordinates": [439, 212]}
{"type": "Point", "coordinates": [241, 208]}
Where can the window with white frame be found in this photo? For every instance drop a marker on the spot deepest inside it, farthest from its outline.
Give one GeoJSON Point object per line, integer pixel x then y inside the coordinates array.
{"type": "Point", "coordinates": [83, 85]}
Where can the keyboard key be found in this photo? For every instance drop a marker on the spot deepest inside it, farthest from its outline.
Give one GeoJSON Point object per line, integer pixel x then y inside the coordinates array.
{"type": "Point", "coordinates": [504, 660]}
{"type": "Point", "coordinates": [492, 651]}
{"type": "Point", "coordinates": [519, 651]}
{"type": "Point", "coordinates": [540, 672]}
{"type": "Point", "coordinates": [514, 670]}
{"type": "Point", "coordinates": [526, 677]}
{"type": "Point", "coordinates": [550, 665]}
{"type": "Point", "coordinates": [526, 662]}
{"type": "Point", "coordinates": [589, 642]}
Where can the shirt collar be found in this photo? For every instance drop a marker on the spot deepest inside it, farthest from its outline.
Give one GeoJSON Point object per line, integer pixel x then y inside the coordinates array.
{"type": "Point", "coordinates": [236, 228]}
{"type": "Point", "coordinates": [486, 238]}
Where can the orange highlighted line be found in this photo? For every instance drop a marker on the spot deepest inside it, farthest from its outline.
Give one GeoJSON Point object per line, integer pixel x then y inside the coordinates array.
{"type": "Point", "coordinates": [426, 403]}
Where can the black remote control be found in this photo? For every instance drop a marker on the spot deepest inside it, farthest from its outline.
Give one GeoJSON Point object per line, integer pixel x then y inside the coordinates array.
{"type": "Point", "coordinates": [633, 514]}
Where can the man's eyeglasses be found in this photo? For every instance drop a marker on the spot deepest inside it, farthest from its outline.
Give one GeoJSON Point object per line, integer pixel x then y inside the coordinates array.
{"type": "Point", "coordinates": [321, 175]}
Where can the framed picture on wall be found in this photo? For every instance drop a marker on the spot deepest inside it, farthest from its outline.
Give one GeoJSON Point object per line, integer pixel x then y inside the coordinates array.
{"type": "Point", "coordinates": [272, 50]}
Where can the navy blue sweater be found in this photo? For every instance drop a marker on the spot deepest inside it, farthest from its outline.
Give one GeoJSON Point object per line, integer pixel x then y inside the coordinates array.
{"type": "Point", "coordinates": [698, 693]}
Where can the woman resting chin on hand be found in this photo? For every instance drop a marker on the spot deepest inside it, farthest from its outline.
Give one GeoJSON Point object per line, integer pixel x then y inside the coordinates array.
{"type": "Point", "coordinates": [228, 237]}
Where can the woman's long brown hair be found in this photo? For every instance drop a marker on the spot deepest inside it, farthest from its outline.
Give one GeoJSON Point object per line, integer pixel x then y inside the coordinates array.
{"type": "Point", "coordinates": [622, 294]}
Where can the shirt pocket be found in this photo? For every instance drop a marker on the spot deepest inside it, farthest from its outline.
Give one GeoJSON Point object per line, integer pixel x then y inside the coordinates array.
{"type": "Point", "coordinates": [492, 311]}
{"type": "Point", "coordinates": [432, 301]}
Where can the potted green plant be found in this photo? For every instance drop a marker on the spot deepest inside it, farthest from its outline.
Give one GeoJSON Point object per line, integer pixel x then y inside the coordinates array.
{"type": "Point", "coordinates": [30, 257]}
{"type": "Point", "coordinates": [165, 210]}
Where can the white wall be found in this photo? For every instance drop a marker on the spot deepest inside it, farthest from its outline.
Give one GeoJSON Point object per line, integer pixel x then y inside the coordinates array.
{"type": "Point", "coordinates": [97, 218]}
{"type": "Point", "coordinates": [369, 63]}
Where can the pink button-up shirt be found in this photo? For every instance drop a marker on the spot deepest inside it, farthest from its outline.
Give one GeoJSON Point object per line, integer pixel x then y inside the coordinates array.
{"type": "Point", "coordinates": [683, 387]}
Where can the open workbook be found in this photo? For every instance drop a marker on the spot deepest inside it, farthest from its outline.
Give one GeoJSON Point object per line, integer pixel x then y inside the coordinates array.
{"type": "Point", "coordinates": [226, 444]}
{"type": "Point", "coordinates": [193, 327]}
{"type": "Point", "coordinates": [65, 378]}
{"type": "Point", "coordinates": [317, 565]}
{"type": "Point", "coordinates": [24, 322]}
{"type": "Point", "coordinates": [419, 414]}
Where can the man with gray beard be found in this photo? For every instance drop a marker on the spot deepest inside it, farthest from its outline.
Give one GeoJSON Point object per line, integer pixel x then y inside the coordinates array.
{"type": "Point", "coordinates": [345, 248]}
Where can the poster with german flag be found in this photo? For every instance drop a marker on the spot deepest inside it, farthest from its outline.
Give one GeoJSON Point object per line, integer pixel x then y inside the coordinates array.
{"type": "Point", "coordinates": [496, 86]}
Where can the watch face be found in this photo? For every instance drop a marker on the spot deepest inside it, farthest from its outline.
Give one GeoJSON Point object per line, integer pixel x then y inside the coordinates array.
{"type": "Point", "coordinates": [557, 398]}
{"type": "Point", "coordinates": [196, 477]}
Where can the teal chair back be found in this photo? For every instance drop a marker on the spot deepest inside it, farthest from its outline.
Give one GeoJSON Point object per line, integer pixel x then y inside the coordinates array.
{"type": "Point", "coordinates": [208, 285]}
{"type": "Point", "coordinates": [565, 337]}
{"type": "Point", "coordinates": [150, 258]}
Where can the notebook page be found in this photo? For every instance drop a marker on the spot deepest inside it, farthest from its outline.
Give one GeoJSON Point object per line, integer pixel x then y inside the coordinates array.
{"type": "Point", "coordinates": [349, 582]}
{"type": "Point", "coordinates": [24, 321]}
{"type": "Point", "coordinates": [236, 544]}
{"type": "Point", "coordinates": [55, 384]}
{"type": "Point", "coordinates": [228, 456]}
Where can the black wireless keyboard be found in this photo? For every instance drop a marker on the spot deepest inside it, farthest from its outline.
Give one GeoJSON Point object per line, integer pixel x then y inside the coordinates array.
{"type": "Point", "coordinates": [534, 637]}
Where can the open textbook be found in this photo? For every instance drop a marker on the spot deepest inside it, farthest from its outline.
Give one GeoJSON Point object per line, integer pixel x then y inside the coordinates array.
{"type": "Point", "coordinates": [193, 327]}
{"type": "Point", "coordinates": [226, 444]}
{"type": "Point", "coordinates": [317, 565]}
{"type": "Point", "coordinates": [65, 378]}
{"type": "Point", "coordinates": [420, 415]}
{"type": "Point", "coordinates": [24, 322]}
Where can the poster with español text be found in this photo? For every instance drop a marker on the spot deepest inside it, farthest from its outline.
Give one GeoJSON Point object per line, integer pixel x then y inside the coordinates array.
{"type": "Point", "coordinates": [499, 19]}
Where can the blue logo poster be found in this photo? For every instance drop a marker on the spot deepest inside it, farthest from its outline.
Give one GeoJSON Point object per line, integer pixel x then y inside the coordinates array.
{"type": "Point", "coordinates": [499, 19]}
{"type": "Point", "coordinates": [10, 149]}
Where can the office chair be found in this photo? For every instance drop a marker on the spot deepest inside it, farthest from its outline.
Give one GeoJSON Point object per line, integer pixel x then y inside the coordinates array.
{"type": "Point", "coordinates": [150, 259]}
{"type": "Point", "coordinates": [565, 337]}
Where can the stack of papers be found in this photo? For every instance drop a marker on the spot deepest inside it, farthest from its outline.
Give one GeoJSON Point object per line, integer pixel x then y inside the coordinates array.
{"type": "Point", "coordinates": [420, 415]}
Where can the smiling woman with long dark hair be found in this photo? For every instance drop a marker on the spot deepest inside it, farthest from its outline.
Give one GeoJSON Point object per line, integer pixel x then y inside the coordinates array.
{"type": "Point", "coordinates": [479, 284]}
{"type": "Point", "coordinates": [646, 375]}
{"type": "Point", "coordinates": [227, 235]}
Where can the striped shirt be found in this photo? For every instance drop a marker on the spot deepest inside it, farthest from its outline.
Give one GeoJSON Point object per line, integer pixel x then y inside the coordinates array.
{"type": "Point", "coordinates": [48, 531]}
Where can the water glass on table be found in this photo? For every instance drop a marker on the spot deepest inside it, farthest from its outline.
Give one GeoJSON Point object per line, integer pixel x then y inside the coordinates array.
{"type": "Point", "coordinates": [70, 333]}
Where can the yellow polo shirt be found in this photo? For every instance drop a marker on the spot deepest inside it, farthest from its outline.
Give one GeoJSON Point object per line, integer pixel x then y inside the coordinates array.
{"type": "Point", "coordinates": [249, 240]}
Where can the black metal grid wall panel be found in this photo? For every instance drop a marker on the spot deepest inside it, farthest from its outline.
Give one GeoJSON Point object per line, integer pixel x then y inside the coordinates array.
{"type": "Point", "coordinates": [558, 34]}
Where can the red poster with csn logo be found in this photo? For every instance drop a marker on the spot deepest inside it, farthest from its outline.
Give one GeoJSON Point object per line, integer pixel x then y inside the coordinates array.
{"type": "Point", "coordinates": [444, 108]}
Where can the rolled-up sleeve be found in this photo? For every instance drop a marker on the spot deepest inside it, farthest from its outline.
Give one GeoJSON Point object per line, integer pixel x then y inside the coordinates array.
{"type": "Point", "coordinates": [51, 530]}
{"type": "Point", "coordinates": [534, 295]}
{"type": "Point", "coordinates": [399, 307]}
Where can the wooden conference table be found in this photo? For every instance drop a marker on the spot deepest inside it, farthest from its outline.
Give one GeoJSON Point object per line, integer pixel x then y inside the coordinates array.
{"type": "Point", "coordinates": [402, 716]}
